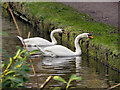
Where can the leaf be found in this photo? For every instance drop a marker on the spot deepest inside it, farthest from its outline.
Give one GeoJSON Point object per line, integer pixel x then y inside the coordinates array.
{"type": "Point", "coordinates": [59, 79]}
{"type": "Point", "coordinates": [17, 85]}
{"type": "Point", "coordinates": [78, 78]}
{"type": "Point", "coordinates": [15, 79]}
{"type": "Point", "coordinates": [20, 58]}
{"type": "Point", "coordinates": [9, 63]}
{"type": "Point", "coordinates": [26, 57]}
{"type": "Point", "coordinates": [73, 77]}
{"type": "Point", "coordinates": [24, 51]}
{"type": "Point", "coordinates": [2, 65]}
{"type": "Point", "coordinates": [18, 47]}
{"type": "Point", "coordinates": [34, 51]}
{"type": "Point", "coordinates": [9, 72]}
{"type": "Point", "coordinates": [56, 88]}
{"type": "Point", "coordinates": [4, 5]}
{"type": "Point", "coordinates": [19, 65]}
{"type": "Point", "coordinates": [15, 65]}
{"type": "Point", "coordinates": [18, 52]}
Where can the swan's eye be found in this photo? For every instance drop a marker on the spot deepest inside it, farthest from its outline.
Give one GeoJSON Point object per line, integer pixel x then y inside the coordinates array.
{"type": "Point", "coordinates": [89, 35]}
{"type": "Point", "coordinates": [63, 31]}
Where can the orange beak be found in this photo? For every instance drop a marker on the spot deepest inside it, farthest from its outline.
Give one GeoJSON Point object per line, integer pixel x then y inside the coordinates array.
{"type": "Point", "coordinates": [90, 37]}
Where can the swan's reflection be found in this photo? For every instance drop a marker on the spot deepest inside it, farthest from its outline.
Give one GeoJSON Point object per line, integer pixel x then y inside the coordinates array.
{"type": "Point", "coordinates": [60, 64]}
{"type": "Point", "coordinates": [78, 65]}
{"type": "Point", "coordinates": [56, 61]}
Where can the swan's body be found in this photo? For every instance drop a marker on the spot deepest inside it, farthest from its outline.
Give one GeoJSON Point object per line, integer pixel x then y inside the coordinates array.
{"type": "Point", "coordinates": [40, 41]}
{"type": "Point", "coordinates": [59, 50]}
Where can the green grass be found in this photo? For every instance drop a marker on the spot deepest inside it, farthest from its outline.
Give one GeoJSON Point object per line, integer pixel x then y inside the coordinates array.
{"type": "Point", "coordinates": [104, 34]}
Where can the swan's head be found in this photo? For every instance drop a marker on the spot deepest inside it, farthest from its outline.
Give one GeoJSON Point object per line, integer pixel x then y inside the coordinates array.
{"type": "Point", "coordinates": [88, 35]}
{"type": "Point", "coordinates": [59, 31]}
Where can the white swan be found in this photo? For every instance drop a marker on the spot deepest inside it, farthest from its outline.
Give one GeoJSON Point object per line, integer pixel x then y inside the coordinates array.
{"type": "Point", "coordinates": [40, 41]}
{"type": "Point", "coordinates": [59, 50]}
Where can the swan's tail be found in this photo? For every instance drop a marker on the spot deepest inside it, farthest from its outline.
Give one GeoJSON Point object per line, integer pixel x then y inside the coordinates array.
{"type": "Point", "coordinates": [46, 53]}
{"type": "Point", "coordinates": [21, 39]}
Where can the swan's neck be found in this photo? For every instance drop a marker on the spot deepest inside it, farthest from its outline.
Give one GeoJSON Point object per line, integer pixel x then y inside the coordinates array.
{"type": "Point", "coordinates": [53, 38]}
{"type": "Point", "coordinates": [77, 45]}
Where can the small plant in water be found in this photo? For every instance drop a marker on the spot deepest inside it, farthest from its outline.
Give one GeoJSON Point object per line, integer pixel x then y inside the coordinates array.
{"type": "Point", "coordinates": [73, 77]}
{"type": "Point", "coordinates": [14, 71]}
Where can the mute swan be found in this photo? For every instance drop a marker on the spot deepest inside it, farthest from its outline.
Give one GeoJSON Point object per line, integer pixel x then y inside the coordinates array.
{"type": "Point", "coordinates": [59, 50]}
{"type": "Point", "coordinates": [40, 41]}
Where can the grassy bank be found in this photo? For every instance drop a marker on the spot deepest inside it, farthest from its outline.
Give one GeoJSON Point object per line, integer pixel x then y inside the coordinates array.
{"type": "Point", "coordinates": [105, 42]}
{"type": "Point", "coordinates": [57, 13]}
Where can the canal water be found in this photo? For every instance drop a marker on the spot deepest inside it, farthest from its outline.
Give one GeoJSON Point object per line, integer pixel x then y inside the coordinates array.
{"type": "Point", "coordinates": [94, 74]}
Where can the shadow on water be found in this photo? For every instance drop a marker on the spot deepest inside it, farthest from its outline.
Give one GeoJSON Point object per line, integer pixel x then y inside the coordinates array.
{"type": "Point", "coordinates": [94, 74]}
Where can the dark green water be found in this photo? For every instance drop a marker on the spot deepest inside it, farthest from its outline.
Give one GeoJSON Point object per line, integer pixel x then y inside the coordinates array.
{"type": "Point", "coordinates": [94, 74]}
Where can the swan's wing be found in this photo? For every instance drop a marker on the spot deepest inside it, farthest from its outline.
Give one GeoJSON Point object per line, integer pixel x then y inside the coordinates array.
{"type": "Point", "coordinates": [37, 41]}
{"type": "Point", "coordinates": [59, 50]}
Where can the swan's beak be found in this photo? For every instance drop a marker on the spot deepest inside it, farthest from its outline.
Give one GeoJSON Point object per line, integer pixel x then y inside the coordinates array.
{"type": "Point", "coordinates": [90, 37]}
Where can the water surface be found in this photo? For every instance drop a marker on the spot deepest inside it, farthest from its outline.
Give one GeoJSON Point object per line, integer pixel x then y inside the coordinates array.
{"type": "Point", "coordinates": [94, 74]}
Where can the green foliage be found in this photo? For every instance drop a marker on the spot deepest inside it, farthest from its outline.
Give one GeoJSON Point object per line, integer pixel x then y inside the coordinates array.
{"type": "Point", "coordinates": [4, 5]}
{"type": "Point", "coordinates": [73, 77]}
{"type": "Point", "coordinates": [4, 8]}
{"type": "Point", "coordinates": [59, 79]}
{"type": "Point", "coordinates": [15, 69]}
{"type": "Point", "coordinates": [104, 35]}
